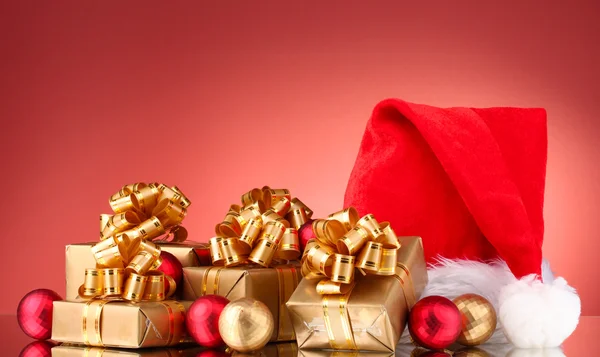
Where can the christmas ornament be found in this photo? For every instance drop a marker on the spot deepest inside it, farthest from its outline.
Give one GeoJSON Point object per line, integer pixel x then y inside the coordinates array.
{"type": "Point", "coordinates": [34, 313]}
{"type": "Point", "coordinates": [246, 325]}
{"type": "Point", "coordinates": [305, 233]}
{"type": "Point", "coordinates": [38, 349]}
{"type": "Point", "coordinates": [202, 320]}
{"type": "Point", "coordinates": [478, 319]}
{"type": "Point", "coordinates": [172, 267]}
{"type": "Point", "coordinates": [212, 353]}
{"type": "Point", "coordinates": [434, 322]}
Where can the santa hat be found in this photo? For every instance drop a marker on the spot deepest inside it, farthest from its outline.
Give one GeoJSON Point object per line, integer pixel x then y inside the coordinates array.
{"type": "Point", "coordinates": [470, 182]}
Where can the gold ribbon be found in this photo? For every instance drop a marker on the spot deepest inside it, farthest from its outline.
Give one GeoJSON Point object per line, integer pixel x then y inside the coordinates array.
{"type": "Point", "coordinates": [405, 278]}
{"type": "Point", "coordinates": [342, 243]}
{"type": "Point", "coordinates": [288, 281]}
{"type": "Point", "coordinates": [262, 230]}
{"type": "Point", "coordinates": [126, 257]}
{"type": "Point", "coordinates": [91, 327]}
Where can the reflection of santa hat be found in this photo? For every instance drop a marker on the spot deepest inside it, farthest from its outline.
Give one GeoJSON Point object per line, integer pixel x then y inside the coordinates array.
{"type": "Point", "coordinates": [471, 183]}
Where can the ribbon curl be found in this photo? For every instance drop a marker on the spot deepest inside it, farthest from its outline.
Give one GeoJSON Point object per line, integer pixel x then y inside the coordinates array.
{"type": "Point", "coordinates": [126, 257]}
{"type": "Point", "coordinates": [342, 243]}
{"type": "Point", "coordinates": [263, 229]}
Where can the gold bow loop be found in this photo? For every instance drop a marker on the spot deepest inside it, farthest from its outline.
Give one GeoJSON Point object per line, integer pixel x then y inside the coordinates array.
{"type": "Point", "coordinates": [262, 230]}
{"type": "Point", "coordinates": [342, 243]}
{"type": "Point", "coordinates": [126, 256]}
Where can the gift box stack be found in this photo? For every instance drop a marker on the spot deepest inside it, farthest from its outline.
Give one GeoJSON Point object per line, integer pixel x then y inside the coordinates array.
{"type": "Point", "coordinates": [144, 285]}
{"type": "Point", "coordinates": [255, 255]}
{"type": "Point", "coordinates": [130, 280]}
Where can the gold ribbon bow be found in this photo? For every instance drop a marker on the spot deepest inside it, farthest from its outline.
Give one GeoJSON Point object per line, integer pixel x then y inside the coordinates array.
{"type": "Point", "coordinates": [126, 257]}
{"type": "Point", "coordinates": [343, 242]}
{"type": "Point", "coordinates": [254, 233]}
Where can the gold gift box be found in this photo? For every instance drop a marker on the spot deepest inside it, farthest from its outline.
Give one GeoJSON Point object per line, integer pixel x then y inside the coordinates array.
{"type": "Point", "coordinates": [79, 257]}
{"type": "Point", "coordinates": [371, 317]}
{"type": "Point", "coordinates": [120, 324]}
{"type": "Point", "coordinates": [272, 286]}
{"type": "Point", "coordinates": [84, 351]}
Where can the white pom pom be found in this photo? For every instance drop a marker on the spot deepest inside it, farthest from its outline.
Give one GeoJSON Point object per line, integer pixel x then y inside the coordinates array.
{"type": "Point", "coordinates": [535, 314]}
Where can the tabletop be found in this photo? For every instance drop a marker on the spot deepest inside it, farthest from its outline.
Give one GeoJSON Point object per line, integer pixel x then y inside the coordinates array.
{"type": "Point", "coordinates": [586, 336]}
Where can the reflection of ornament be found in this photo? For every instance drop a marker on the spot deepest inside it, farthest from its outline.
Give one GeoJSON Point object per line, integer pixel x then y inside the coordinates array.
{"type": "Point", "coordinates": [246, 325]}
{"type": "Point", "coordinates": [434, 322]}
{"type": "Point", "coordinates": [212, 353]}
{"type": "Point", "coordinates": [253, 354]}
{"type": "Point", "coordinates": [34, 313]}
{"type": "Point", "coordinates": [478, 319]}
{"type": "Point", "coordinates": [470, 352]}
{"type": "Point", "coordinates": [38, 349]}
{"type": "Point", "coordinates": [306, 233]}
{"type": "Point", "coordinates": [171, 266]}
{"type": "Point", "coordinates": [419, 352]}
{"type": "Point", "coordinates": [202, 320]}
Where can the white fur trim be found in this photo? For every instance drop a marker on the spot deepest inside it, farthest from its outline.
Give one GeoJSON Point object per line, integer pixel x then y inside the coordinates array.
{"type": "Point", "coordinates": [536, 314]}
{"type": "Point", "coordinates": [451, 278]}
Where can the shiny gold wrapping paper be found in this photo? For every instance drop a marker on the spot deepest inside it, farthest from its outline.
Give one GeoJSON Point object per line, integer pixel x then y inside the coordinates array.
{"type": "Point", "coordinates": [377, 306]}
{"type": "Point", "coordinates": [83, 351]}
{"type": "Point", "coordinates": [121, 324]}
{"type": "Point", "coordinates": [80, 257]}
{"type": "Point", "coordinates": [262, 284]}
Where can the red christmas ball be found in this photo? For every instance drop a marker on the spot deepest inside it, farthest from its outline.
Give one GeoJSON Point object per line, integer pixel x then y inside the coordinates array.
{"type": "Point", "coordinates": [305, 233]}
{"type": "Point", "coordinates": [434, 322]}
{"type": "Point", "coordinates": [34, 313]}
{"type": "Point", "coordinates": [38, 349]}
{"type": "Point", "coordinates": [172, 267]}
{"type": "Point", "coordinates": [202, 320]}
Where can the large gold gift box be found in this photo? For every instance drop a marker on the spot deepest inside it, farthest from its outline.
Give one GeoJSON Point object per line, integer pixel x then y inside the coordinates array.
{"type": "Point", "coordinates": [119, 323]}
{"type": "Point", "coordinates": [79, 257]}
{"type": "Point", "coordinates": [84, 351]}
{"type": "Point", "coordinates": [371, 317]}
{"type": "Point", "coordinates": [272, 286]}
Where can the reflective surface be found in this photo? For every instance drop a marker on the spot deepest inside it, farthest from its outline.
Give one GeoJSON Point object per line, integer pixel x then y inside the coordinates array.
{"type": "Point", "coordinates": [13, 341]}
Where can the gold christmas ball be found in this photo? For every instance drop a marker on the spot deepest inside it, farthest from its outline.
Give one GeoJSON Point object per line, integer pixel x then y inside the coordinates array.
{"type": "Point", "coordinates": [478, 319]}
{"type": "Point", "coordinates": [246, 325]}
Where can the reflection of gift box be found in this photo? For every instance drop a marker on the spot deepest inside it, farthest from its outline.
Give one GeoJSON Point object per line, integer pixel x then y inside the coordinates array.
{"type": "Point", "coordinates": [371, 317]}
{"type": "Point", "coordinates": [120, 324]}
{"type": "Point", "coordinates": [79, 257]}
{"type": "Point", "coordinates": [282, 349]}
{"type": "Point", "coordinates": [83, 351]}
{"type": "Point", "coordinates": [321, 353]}
{"type": "Point", "coordinates": [272, 286]}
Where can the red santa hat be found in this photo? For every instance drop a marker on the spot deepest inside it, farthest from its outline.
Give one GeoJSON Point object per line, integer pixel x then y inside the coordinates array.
{"type": "Point", "coordinates": [470, 182]}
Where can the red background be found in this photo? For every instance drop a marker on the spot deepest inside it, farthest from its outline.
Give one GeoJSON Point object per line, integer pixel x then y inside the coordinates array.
{"type": "Point", "coordinates": [217, 99]}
